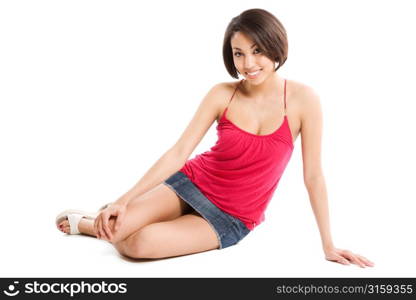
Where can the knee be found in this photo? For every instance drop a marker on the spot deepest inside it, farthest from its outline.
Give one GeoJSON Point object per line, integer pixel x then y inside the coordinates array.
{"type": "Point", "coordinates": [137, 245]}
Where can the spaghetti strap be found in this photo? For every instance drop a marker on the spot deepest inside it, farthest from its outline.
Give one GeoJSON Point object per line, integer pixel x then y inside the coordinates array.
{"type": "Point", "coordinates": [235, 90]}
{"type": "Point", "coordinates": [285, 96]}
{"type": "Point", "coordinates": [229, 101]}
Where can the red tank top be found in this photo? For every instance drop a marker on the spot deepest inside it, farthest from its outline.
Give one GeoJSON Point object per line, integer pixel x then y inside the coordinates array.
{"type": "Point", "coordinates": [240, 173]}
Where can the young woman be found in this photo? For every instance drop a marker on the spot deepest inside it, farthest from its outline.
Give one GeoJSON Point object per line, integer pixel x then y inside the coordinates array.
{"type": "Point", "coordinates": [214, 200]}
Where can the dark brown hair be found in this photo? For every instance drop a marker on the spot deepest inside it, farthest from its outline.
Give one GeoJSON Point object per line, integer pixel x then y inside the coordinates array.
{"type": "Point", "coordinates": [264, 29]}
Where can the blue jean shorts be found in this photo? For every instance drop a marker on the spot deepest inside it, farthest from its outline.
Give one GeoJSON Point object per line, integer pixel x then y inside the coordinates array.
{"type": "Point", "coordinates": [229, 229]}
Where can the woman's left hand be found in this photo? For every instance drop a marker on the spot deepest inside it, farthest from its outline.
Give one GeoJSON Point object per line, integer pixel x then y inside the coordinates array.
{"type": "Point", "coordinates": [346, 257]}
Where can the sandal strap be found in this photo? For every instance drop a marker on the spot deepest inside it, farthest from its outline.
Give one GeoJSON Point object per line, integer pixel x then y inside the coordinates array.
{"type": "Point", "coordinates": [74, 220]}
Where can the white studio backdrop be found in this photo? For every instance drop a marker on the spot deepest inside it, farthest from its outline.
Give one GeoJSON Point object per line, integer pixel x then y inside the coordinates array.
{"type": "Point", "coordinates": [92, 93]}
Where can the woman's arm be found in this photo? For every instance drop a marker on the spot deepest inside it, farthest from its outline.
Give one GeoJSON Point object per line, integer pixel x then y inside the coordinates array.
{"type": "Point", "coordinates": [174, 159]}
{"type": "Point", "coordinates": [169, 163]}
{"type": "Point", "coordinates": [311, 136]}
{"type": "Point", "coordinates": [319, 202]}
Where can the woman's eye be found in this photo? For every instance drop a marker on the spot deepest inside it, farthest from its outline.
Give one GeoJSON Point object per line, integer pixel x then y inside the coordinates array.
{"type": "Point", "coordinates": [238, 53]}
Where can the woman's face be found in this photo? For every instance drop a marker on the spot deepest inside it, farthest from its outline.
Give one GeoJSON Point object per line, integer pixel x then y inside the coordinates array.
{"type": "Point", "coordinates": [249, 60]}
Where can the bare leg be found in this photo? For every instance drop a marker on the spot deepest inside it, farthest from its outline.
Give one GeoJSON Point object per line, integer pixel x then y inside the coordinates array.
{"type": "Point", "coordinates": [157, 205]}
{"type": "Point", "coordinates": [86, 226]}
{"type": "Point", "coordinates": [188, 234]}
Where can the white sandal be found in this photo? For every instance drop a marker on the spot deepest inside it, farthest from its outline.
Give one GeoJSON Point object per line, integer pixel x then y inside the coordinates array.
{"type": "Point", "coordinates": [74, 217]}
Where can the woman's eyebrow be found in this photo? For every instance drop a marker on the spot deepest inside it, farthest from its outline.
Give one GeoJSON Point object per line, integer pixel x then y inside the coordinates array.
{"type": "Point", "coordinates": [250, 47]}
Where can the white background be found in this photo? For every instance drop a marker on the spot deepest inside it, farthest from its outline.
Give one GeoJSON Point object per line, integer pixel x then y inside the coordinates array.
{"type": "Point", "coordinates": [92, 93]}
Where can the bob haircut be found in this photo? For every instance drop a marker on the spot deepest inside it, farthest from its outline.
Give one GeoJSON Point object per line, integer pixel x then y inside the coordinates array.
{"type": "Point", "coordinates": [264, 29]}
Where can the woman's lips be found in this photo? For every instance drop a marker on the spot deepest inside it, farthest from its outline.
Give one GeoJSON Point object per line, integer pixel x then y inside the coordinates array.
{"type": "Point", "coordinates": [252, 75]}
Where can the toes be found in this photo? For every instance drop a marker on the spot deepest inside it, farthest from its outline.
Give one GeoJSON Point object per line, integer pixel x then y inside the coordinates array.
{"type": "Point", "coordinates": [64, 226]}
{"type": "Point", "coordinates": [63, 223]}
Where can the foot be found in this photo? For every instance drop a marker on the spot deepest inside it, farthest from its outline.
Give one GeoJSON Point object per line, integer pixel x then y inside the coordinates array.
{"type": "Point", "coordinates": [64, 226]}
{"type": "Point", "coordinates": [85, 225]}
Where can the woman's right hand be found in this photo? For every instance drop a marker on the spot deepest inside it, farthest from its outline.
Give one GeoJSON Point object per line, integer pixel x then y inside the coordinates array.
{"type": "Point", "coordinates": [101, 223]}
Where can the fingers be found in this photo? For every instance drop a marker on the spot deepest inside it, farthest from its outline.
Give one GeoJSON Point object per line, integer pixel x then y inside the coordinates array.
{"type": "Point", "coordinates": [118, 221]}
{"type": "Point", "coordinates": [338, 258]}
{"type": "Point", "coordinates": [103, 225]}
{"type": "Point", "coordinates": [106, 229]}
{"type": "Point", "coordinates": [99, 227]}
{"type": "Point", "coordinates": [342, 260]}
{"type": "Point", "coordinates": [354, 258]}
{"type": "Point", "coordinates": [365, 260]}
{"type": "Point", "coordinates": [96, 226]}
{"type": "Point", "coordinates": [346, 257]}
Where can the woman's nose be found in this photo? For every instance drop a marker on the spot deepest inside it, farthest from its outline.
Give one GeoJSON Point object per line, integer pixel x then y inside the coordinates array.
{"type": "Point", "coordinates": [249, 62]}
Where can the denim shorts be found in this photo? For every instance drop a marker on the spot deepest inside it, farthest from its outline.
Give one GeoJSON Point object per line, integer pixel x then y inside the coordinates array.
{"type": "Point", "coordinates": [229, 229]}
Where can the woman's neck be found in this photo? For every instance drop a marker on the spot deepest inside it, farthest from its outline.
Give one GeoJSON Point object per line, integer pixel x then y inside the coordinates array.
{"type": "Point", "coordinates": [263, 91]}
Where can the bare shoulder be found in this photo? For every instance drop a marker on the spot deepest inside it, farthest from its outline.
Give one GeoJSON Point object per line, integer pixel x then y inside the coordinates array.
{"type": "Point", "coordinates": [221, 94]}
{"type": "Point", "coordinates": [303, 96]}
{"type": "Point", "coordinates": [302, 92]}
{"type": "Point", "coordinates": [309, 113]}
{"type": "Point", "coordinates": [224, 89]}
{"type": "Point", "coordinates": [206, 113]}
